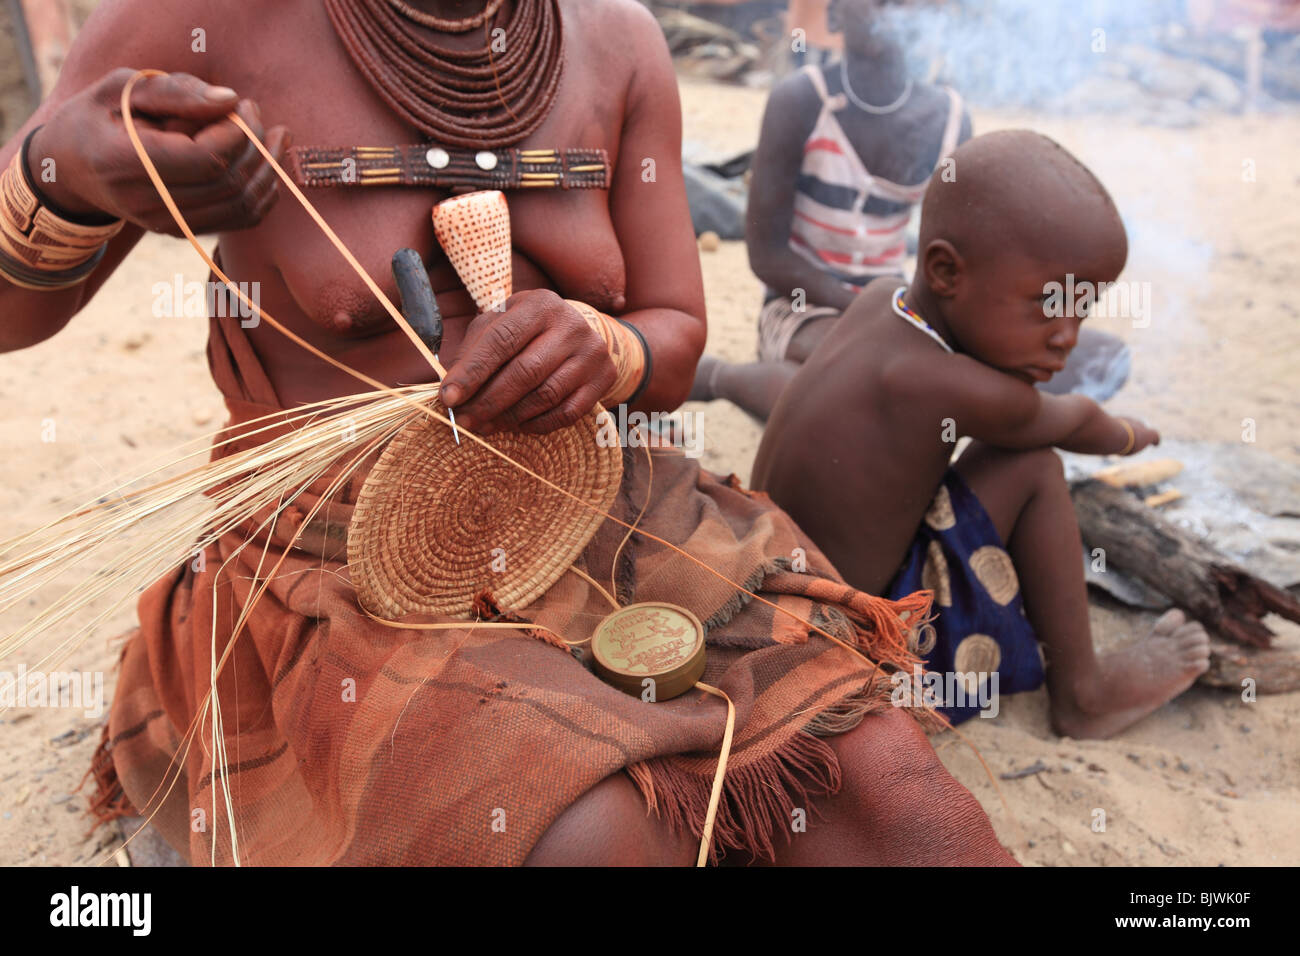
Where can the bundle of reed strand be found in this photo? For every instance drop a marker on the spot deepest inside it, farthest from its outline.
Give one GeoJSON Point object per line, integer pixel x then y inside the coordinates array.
{"type": "Point", "coordinates": [131, 535]}
{"type": "Point", "coordinates": [134, 532]}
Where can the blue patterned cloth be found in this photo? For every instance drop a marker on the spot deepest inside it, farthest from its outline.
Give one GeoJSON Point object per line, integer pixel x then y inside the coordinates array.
{"type": "Point", "coordinates": [981, 624]}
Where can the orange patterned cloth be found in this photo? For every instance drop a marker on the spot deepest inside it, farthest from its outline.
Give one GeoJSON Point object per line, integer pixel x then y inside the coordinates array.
{"type": "Point", "coordinates": [354, 743]}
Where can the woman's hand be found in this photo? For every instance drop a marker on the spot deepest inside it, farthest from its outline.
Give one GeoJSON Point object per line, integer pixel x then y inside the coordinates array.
{"type": "Point", "coordinates": [536, 367]}
{"type": "Point", "coordinates": [217, 177]}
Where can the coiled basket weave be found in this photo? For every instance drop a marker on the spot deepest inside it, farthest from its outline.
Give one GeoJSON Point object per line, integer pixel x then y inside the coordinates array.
{"type": "Point", "coordinates": [437, 524]}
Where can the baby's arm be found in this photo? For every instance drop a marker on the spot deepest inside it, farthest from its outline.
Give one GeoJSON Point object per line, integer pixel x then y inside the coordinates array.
{"type": "Point", "coordinates": [997, 408]}
{"type": "Point", "coordinates": [1097, 436]}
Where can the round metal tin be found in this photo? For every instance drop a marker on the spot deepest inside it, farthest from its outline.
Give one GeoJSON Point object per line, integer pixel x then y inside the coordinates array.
{"type": "Point", "coordinates": [652, 641]}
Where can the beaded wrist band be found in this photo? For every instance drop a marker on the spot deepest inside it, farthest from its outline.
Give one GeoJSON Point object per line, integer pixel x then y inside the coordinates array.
{"type": "Point", "coordinates": [627, 348]}
{"type": "Point", "coordinates": [40, 248]}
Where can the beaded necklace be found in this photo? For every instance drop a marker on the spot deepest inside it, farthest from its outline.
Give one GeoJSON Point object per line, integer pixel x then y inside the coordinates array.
{"type": "Point", "coordinates": [473, 99]}
{"type": "Point", "coordinates": [463, 25]}
{"type": "Point", "coordinates": [869, 107]}
{"type": "Point", "coordinates": [914, 319]}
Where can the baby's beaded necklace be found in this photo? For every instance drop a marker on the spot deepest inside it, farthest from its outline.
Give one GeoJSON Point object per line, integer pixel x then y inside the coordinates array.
{"type": "Point", "coordinates": [914, 319]}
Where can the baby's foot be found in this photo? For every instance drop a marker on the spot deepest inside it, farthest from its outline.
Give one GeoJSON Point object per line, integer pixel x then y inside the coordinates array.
{"type": "Point", "coordinates": [1134, 680]}
{"type": "Point", "coordinates": [705, 388]}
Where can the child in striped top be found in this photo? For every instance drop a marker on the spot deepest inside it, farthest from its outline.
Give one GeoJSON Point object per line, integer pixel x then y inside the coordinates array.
{"type": "Point", "coordinates": [845, 153]}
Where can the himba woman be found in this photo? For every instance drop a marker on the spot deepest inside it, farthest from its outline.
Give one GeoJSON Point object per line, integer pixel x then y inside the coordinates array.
{"type": "Point", "coordinates": [459, 746]}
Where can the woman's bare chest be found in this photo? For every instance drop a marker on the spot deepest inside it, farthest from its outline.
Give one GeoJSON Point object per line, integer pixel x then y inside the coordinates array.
{"type": "Point", "coordinates": [563, 238]}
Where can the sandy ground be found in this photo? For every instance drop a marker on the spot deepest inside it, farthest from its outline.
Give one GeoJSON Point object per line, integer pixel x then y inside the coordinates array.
{"type": "Point", "coordinates": [1207, 780]}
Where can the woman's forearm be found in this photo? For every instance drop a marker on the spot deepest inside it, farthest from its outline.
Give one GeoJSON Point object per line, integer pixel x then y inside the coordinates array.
{"type": "Point", "coordinates": [676, 342]}
{"type": "Point", "coordinates": [30, 316]}
{"type": "Point", "coordinates": [27, 316]}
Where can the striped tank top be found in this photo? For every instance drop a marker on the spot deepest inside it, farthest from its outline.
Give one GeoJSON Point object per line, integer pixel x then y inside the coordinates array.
{"type": "Point", "coordinates": [846, 221]}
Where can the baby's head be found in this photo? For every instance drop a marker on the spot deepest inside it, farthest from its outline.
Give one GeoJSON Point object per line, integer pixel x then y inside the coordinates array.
{"type": "Point", "coordinates": [1011, 215]}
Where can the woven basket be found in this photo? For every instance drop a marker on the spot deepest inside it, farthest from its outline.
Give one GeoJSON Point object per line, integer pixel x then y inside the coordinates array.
{"type": "Point", "coordinates": [437, 524]}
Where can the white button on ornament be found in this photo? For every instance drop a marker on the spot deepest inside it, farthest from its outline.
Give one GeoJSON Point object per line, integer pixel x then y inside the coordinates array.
{"type": "Point", "coordinates": [437, 158]}
{"type": "Point", "coordinates": [486, 160]}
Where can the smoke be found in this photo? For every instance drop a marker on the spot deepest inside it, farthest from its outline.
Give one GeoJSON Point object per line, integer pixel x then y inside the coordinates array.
{"type": "Point", "coordinates": [1021, 53]}
{"type": "Point", "coordinates": [1032, 55]}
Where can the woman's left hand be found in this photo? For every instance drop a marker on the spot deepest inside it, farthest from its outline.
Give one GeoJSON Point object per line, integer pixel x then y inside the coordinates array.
{"type": "Point", "coordinates": [535, 367]}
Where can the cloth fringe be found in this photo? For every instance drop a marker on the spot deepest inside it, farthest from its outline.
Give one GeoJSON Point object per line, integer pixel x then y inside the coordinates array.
{"type": "Point", "coordinates": [757, 799]}
{"type": "Point", "coordinates": [736, 603]}
{"type": "Point", "coordinates": [109, 800]}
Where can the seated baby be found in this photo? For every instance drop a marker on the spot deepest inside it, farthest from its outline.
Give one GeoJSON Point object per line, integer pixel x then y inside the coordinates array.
{"type": "Point", "coordinates": [858, 448]}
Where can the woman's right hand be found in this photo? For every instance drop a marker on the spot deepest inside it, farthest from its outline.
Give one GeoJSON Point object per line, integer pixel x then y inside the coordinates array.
{"type": "Point", "coordinates": [217, 177]}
